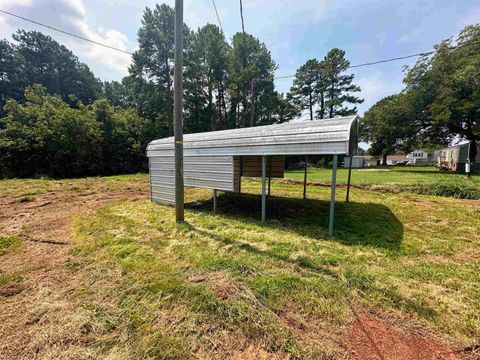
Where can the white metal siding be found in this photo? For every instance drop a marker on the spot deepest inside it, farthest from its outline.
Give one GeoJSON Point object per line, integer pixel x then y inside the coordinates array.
{"type": "Point", "coordinates": [214, 172]}
{"type": "Point", "coordinates": [162, 179]}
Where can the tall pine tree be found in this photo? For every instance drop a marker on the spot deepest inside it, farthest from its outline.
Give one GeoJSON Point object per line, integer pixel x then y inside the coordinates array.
{"type": "Point", "coordinates": [303, 90]}
{"type": "Point", "coordinates": [340, 88]}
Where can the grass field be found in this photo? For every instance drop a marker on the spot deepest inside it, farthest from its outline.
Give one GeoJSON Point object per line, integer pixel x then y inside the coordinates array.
{"type": "Point", "coordinates": [400, 278]}
{"type": "Point", "coordinates": [422, 180]}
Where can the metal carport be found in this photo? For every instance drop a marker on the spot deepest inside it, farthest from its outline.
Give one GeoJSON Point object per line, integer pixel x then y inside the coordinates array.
{"type": "Point", "coordinates": [214, 159]}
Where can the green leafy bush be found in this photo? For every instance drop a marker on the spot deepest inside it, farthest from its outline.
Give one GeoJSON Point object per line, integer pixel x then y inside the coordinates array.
{"type": "Point", "coordinates": [46, 136]}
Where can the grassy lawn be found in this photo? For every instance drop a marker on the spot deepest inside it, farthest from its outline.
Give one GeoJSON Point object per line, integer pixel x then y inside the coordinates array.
{"type": "Point", "coordinates": [422, 180]}
{"type": "Point", "coordinates": [25, 190]}
{"type": "Point", "coordinates": [225, 285]}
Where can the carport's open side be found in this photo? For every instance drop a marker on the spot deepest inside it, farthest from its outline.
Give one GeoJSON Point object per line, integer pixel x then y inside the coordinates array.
{"type": "Point", "coordinates": [217, 160]}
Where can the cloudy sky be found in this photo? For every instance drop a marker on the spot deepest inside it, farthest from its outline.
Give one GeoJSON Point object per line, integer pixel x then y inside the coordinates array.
{"type": "Point", "coordinates": [294, 30]}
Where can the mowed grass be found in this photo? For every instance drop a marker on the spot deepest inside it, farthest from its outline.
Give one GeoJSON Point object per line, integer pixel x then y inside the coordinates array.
{"type": "Point", "coordinates": [420, 180]}
{"type": "Point", "coordinates": [226, 285]}
{"type": "Point", "coordinates": [9, 243]}
{"type": "Point", "coordinates": [25, 190]}
{"type": "Point", "coordinates": [406, 175]}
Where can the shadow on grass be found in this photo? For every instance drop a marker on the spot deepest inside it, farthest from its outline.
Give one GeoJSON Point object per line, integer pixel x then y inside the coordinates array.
{"type": "Point", "coordinates": [355, 223]}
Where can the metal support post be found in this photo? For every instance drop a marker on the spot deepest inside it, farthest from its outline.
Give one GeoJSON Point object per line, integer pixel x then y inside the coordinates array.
{"type": "Point", "coordinates": [332, 196]}
{"type": "Point", "coordinates": [241, 173]}
{"type": "Point", "coordinates": [305, 178]}
{"type": "Point", "coordinates": [264, 197]}
{"type": "Point", "coordinates": [214, 201]}
{"type": "Point", "coordinates": [349, 178]}
{"type": "Point", "coordinates": [269, 173]}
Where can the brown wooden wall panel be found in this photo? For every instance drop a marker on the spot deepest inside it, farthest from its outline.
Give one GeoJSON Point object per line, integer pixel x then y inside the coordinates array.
{"type": "Point", "coordinates": [251, 166]}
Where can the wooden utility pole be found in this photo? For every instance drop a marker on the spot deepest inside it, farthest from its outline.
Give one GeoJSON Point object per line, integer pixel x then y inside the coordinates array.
{"type": "Point", "coordinates": [178, 111]}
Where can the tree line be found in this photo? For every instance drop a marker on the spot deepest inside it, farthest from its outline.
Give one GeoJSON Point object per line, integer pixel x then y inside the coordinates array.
{"type": "Point", "coordinates": [43, 135]}
{"type": "Point", "coordinates": [50, 102]}
{"type": "Point", "coordinates": [323, 89]}
{"type": "Point", "coordinates": [226, 85]}
{"type": "Point", "coordinates": [440, 103]}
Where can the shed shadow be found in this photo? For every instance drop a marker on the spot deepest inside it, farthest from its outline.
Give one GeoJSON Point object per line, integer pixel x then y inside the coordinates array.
{"type": "Point", "coordinates": [366, 224]}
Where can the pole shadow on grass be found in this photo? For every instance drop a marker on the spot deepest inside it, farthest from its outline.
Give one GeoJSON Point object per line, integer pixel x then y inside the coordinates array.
{"type": "Point", "coordinates": [355, 223]}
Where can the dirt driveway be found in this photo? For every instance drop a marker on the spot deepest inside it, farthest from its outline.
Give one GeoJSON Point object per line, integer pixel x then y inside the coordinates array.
{"type": "Point", "coordinates": [39, 316]}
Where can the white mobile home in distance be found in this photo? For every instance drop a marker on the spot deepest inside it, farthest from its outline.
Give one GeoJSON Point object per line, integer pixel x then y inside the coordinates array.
{"type": "Point", "coordinates": [455, 157]}
{"type": "Point", "coordinates": [417, 156]}
{"type": "Point", "coordinates": [217, 160]}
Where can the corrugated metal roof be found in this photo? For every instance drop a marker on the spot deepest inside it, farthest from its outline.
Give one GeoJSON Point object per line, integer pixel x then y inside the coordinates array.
{"type": "Point", "coordinates": [326, 136]}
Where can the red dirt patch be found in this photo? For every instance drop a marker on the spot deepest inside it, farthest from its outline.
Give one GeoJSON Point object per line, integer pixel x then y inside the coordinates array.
{"type": "Point", "coordinates": [322, 183]}
{"type": "Point", "coordinates": [11, 289]}
{"type": "Point", "coordinates": [374, 339]}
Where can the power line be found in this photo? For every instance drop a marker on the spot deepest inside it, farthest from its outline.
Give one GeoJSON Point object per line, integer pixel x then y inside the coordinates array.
{"type": "Point", "coordinates": [241, 15]}
{"type": "Point", "coordinates": [426, 53]}
{"type": "Point", "coordinates": [218, 17]}
{"type": "Point", "coordinates": [66, 32]}
{"type": "Point", "coordinates": [392, 59]}
{"type": "Point", "coordinates": [370, 63]}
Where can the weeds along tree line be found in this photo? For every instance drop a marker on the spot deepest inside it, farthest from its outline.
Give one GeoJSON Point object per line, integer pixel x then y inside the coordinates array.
{"type": "Point", "coordinates": [440, 103]}
{"type": "Point", "coordinates": [58, 119]}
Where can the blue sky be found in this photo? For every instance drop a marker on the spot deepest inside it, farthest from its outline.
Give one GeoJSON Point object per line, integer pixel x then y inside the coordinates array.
{"type": "Point", "coordinates": [294, 31]}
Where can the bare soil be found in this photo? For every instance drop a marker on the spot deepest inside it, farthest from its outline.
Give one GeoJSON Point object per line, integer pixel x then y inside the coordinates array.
{"type": "Point", "coordinates": [323, 184]}
{"type": "Point", "coordinates": [375, 339]}
{"type": "Point", "coordinates": [39, 317]}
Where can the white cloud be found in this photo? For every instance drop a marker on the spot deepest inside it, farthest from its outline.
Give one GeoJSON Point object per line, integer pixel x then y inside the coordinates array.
{"type": "Point", "coordinates": [70, 15]}
{"type": "Point", "coordinates": [374, 88]}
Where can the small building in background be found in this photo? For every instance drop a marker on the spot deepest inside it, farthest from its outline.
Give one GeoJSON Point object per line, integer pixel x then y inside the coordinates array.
{"type": "Point", "coordinates": [371, 161]}
{"type": "Point", "coordinates": [417, 156]}
{"type": "Point", "coordinates": [455, 157]}
{"type": "Point", "coordinates": [396, 160]}
{"type": "Point", "coordinates": [357, 162]}
{"type": "Point", "coordinates": [362, 161]}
